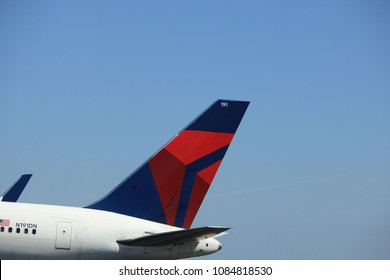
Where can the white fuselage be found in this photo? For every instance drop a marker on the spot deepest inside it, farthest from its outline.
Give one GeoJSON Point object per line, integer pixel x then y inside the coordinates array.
{"type": "Point", "coordinates": [35, 231]}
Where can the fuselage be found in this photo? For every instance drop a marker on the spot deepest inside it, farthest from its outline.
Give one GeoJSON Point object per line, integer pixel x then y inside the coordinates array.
{"type": "Point", "coordinates": [35, 231]}
{"type": "Point", "coordinates": [147, 216]}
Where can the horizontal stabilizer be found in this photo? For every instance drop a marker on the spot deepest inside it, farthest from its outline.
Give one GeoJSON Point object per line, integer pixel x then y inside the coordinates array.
{"type": "Point", "coordinates": [13, 193]}
{"type": "Point", "coordinates": [174, 237]}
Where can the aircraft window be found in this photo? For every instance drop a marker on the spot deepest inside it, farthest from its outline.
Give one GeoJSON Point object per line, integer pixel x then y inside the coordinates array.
{"type": "Point", "coordinates": [26, 230]}
{"type": "Point", "coordinates": [18, 230]}
{"type": "Point", "coordinates": [2, 229]}
{"type": "Point", "coordinates": [10, 229]}
{"type": "Point", "coordinates": [34, 231]}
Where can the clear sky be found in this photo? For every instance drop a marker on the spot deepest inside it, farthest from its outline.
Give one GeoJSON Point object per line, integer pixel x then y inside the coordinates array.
{"type": "Point", "coordinates": [90, 89]}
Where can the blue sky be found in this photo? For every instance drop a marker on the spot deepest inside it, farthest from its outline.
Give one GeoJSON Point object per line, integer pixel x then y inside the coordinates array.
{"type": "Point", "coordinates": [90, 89]}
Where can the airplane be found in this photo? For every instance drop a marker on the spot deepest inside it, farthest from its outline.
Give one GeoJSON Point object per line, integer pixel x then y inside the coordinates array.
{"type": "Point", "coordinates": [14, 192]}
{"type": "Point", "coordinates": [147, 216]}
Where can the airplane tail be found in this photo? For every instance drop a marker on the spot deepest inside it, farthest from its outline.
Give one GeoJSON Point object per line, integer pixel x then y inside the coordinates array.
{"type": "Point", "coordinates": [14, 192]}
{"type": "Point", "coordinates": [169, 187]}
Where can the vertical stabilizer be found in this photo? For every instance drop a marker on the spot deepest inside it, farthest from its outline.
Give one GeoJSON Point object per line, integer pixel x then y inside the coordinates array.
{"type": "Point", "coordinates": [14, 192]}
{"type": "Point", "coordinates": [170, 187]}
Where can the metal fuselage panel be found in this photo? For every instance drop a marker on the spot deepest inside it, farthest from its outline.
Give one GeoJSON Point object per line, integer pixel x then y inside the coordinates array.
{"type": "Point", "coordinates": [37, 231]}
